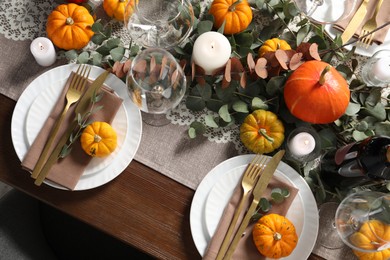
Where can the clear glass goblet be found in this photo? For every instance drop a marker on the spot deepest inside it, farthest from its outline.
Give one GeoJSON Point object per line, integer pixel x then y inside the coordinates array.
{"type": "Point", "coordinates": [159, 23]}
{"type": "Point", "coordinates": [326, 11]}
{"type": "Point", "coordinates": [363, 221]}
{"type": "Point", "coordinates": [156, 83]}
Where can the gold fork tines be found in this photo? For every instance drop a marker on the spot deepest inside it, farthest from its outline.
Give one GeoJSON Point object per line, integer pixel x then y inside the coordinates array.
{"type": "Point", "coordinates": [248, 181]}
{"type": "Point", "coordinates": [368, 27]}
{"type": "Point", "coordinates": [76, 88]}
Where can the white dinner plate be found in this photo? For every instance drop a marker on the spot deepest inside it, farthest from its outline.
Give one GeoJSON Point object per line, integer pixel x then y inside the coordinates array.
{"type": "Point", "coordinates": [56, 77]}
{"type": "Point", "coordinates": [202, 226]}
{"type": "Point", "coordinates": [41, 109]}
{"type": "Point", "coordinates": [361, 50]}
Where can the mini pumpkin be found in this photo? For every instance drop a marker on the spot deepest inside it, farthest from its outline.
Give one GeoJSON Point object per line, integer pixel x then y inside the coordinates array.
{"type": "Point", "coordinates": [366, 239]}
{"type": "Point", "coordinates": [274, 236]}
{"type": "Point", "coordinates": [98, 139]}
{"type": "Point", "coordinates": [69, 26]}
{"type": "Point", "coordinates": [273, 45]}
{"type": "Point", "coordinates": [116, 8]}
{"type": "Point", "coordinates": [236, 14]}
{"type": "Point", "coordinates": [262, 131]}
{"type": "Point", "coordinates": [316, 93]}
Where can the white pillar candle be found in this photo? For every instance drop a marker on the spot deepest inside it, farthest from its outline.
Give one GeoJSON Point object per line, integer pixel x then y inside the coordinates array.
{"type": "Point", "coordinates": [381, 69]}
{"type": "Point", "coordinates": [43, 51]}
{"type": "Point", "coordinates": [302, 144]}
{"type": "Point", "coordinates": [211, 51]}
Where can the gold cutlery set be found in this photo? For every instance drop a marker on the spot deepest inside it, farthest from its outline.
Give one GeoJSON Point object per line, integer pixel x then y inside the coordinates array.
{"type": "Point", "coordinates": [368, 29]}
{"type": "Point", "coordinates": [75, 93]}
{"type": "Point", "coordinates": [256, 178]}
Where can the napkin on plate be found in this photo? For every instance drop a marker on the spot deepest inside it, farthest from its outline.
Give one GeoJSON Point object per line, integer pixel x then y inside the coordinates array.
{"type": "Point", "coordinates": [246, 248]}
{"type": "Point", "coordinates": [67, 171]}
{"type": "Point", "coordinates": [382, 18]}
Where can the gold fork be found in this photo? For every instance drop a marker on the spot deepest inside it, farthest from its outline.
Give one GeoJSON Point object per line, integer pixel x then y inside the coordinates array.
{"type": "Point", "coordinates": [248, 181]}
{"type": "Point", "coordinates": [76, 89]}
{"type": "Point", "coordinates": [369, 26]}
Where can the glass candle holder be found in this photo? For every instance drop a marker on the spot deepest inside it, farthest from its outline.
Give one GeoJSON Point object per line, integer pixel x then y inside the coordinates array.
{"type": "Point", "coordinates": [376, 72]}
{"type": "Point", "coordinates": [303, 144]}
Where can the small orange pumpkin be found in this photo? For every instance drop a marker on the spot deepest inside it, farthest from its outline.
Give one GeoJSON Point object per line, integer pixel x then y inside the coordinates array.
{"type": "Point", "coordinates": [273, 45]}
{"type": "Point", "coordinates": [275, 236]}
{"type": "Point", "coordinates": [69, 26]}
{"type": "Point", "coordinates": [316, 93]}
{"type": "Point", "coordinates": [116, 8]}
{"type": "Point", "coordinates": [262, 132]}
{"type": "Point", "coordinates": [236, 13]}
{"type": "Point", "coordinates": [98, 139]}
{"type": "Point", "coordinates": [366, 239]}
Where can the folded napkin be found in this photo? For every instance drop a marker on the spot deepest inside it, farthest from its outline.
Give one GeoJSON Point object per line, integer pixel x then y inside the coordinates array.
{"type": "Point", "coordinates": [382, 18]}
{"type": "Point", "coordinates": [67, 171]}
{"type": "Point", "coordinates": [246, 249]}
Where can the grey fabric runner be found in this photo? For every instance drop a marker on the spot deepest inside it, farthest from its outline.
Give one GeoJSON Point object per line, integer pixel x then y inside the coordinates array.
{"type": "Point", "coordinates": [166, 149]}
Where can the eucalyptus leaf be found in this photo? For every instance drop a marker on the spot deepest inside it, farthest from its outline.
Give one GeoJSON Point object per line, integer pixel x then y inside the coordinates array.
{"type": "Point", "coordinates": [352, 109]}
{"type": "Point", "coordinates": [264, 205]}
{"type": "Point", "coordinates": [361, 126]}
{"type": "Point", "coordinates": [71, 54]}
{"type": "Point", "coordinates": [382, 128]}
{"type": "Point", "coordinates": [196, 128]}
{"type": "Point", "coordinates": [275, 85]}
{"type": "Point", "coordinates": [204, 26]}
{"type": "Point", "coordinates": [83, 58]}
{"type": "Point", "coordinates": [98, 39]}
{"type": "Point", "coordinates": [258, 103]}
{"type": "Point", "coordinates": [277, 196]}
{"type": "Point", "coordinates": [378, 111]}
{"type": "Point", "coordinates": [97, 27]}
{"type": "Point", "coordinates": [374, 97]}
{"type": "Point", "coordinates": [97, 59]}
{"type": "Point", "coordinates": [113, 43]}
{"type": "Point", "coordinates": [328, 138]}
{"type": "Point", "coordinates": [209, 120]}
{"type": "Point", "coordinates": [240, 106]}
{"type": "Point", "coordinates": [224, 113]}
{"type": "Point", "coordinates": [195, 103]}
{"type": "Point", "coordinates": [302, 33]}
{"type": "Point", "coordinates": [359, 136]}
{"type": "Point", "coordinates": [117, 53]}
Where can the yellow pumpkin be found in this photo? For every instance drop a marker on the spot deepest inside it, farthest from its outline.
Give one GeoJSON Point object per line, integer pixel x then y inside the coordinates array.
{"type": "Point", "coordinates": [273, 45]}
{"type": "Point", "coordinates": [236, 13]}
{"type": "Point", "coordinates": [116, 8]}
{"type": "Point", "coordinates": [366, 239]}
{"type": "Point", "coordinates": [98, 139]}
{"type": "Point", "coordinates": [274, 236]}
{"type": "Point", "coordinates": [69, 26]}
{"type": "Point", "coordinates": [262, 132]}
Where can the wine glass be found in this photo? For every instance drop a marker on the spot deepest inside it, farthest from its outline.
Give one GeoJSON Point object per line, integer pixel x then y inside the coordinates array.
{"type": "Point", "coordinates": [326, 11]}
{"type": "Point", "coordinates": [159, 23]}
{"type": "Point", "coordinates": [362, 219]}
{"type": "Point", "coordinates": [156, 84]}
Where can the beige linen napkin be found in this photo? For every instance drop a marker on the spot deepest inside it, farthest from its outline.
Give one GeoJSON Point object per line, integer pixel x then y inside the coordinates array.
{"type": "Point", "coordinates": [67, 171]}
{"type": "Point", "coordinates": [246, 249]}
{"type": "Point", "coordinates": [382, 18]}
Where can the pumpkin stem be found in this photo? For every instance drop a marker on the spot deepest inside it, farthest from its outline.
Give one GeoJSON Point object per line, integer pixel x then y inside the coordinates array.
{"type": "Point", "coordinates": [263, 132]}
{"type": "Point", "coordinates": [277, 236]}
{"type": "Point", "coordinates": [69, 21]}
{"type": "Point", "coordinates": [322, 77]}
{"type": "Point", "coordinates": [97, 138]}
{"type": "Point", "coordinates": [232, 8]}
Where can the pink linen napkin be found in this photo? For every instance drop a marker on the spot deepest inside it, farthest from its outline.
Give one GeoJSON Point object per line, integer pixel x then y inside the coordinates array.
{"type": "Point", "coordinates": [382, 18]}
{"type": "Point", "coordinates": [67, 171]}
{"type": "Point", "coordinates": [246, 249]}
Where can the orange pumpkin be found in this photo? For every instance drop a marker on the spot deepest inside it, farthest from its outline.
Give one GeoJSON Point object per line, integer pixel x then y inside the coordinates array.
{"type": "Point", "coordinates": [116, 8]}
{"type": "Point", "coordinates": [236, 13]}
{"type": "Point", "coordinates": [366, 239]}
{"type": "Point", "coordinates": [274, 236]}
{"type": "Point", "coordinates": [69, 26]}
{"type": "Point", "coordinates": [98, 139]}
{"type": "Point", "coordinates": [273, 45]}
{"type": "Point", "coordinates": [316, 93]}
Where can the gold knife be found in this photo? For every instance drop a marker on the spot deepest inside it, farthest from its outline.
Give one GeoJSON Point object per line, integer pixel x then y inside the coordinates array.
{"type": "Point", "coordinates": [258, 191]}
{"type": "Point", "coordinates": [81, 108]}
{"type": "Point", "coordinates": [355, 22]}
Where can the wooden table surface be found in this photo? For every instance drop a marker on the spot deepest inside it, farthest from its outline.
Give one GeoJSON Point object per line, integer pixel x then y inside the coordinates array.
{"type": "Point", "coordinates": [140, 207]}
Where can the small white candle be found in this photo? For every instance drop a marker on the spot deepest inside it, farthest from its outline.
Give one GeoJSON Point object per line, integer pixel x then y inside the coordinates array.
{"type": "Point", "coordinates": [43, 51]}
{"type": "Point", "coordinates": [211, 51]}
{"type": "Point", "coordinates": [381, 69]}
{"type": "Point", "coordinates": [302, 144]}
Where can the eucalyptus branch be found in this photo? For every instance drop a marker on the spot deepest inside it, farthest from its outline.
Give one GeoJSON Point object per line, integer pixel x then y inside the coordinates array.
{"type": "Point", "coordinates": [284, 23]}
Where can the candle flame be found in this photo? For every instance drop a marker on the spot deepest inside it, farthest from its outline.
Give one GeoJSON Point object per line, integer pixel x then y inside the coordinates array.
{"type": "Point", "coordinates": [306, 142]}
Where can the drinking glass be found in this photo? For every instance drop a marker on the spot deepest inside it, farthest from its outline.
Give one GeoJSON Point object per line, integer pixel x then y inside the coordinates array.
{"type": "Point", "coordinates": [376, 71]}
{"type": "Point", "coordinates": [156, 84]}
{"type": "Point", "coordinates": [159, 23]}
{"type": "Point", "coordinates": [326, 11]}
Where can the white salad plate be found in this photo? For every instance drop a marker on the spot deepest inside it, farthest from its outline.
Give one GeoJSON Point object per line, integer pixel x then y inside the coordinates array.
{"type": "Point", "coordinates": [40, 96]}
{"type": "Point", "coordinates": [215, 190]}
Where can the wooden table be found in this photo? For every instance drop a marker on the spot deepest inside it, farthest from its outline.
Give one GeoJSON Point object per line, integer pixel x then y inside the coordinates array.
{"type": "Point", "coordinates": [125, 208]}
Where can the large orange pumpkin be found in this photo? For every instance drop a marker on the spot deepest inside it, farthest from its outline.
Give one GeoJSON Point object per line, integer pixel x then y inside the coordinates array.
{"type": "Point", "coordinates": [236, 13]}
{"type": "Point", "coordinates": [69, 26]}
{"type": "Point", "coordinates": [316, 93]}
{"type": "Point", "coordinates": [275, 236]}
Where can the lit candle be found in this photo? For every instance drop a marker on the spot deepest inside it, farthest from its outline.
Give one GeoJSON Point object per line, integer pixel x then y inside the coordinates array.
{"type": "Point", "coordinates": [43, 51]}
{"type": "Point", "coordinates": [381, 69]}
{"type": "Point", "coordinates": [302, 144]}
{"type": "Point", "coordinates": [211, 51]}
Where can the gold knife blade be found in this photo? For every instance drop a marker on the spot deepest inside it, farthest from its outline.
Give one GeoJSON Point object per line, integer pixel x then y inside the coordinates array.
{"type": "Point", "coordinates": [258, 191]}
{"type": "Point", "coordinates": [355, 22]}
{"type": "Point", "coordinates": [81, 108]}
